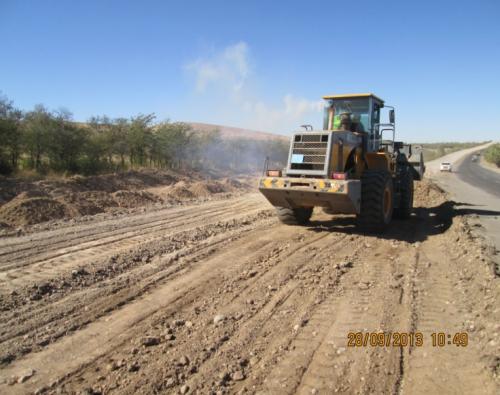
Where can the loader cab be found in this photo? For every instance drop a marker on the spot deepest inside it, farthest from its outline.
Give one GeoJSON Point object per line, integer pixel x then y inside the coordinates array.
{"type": "Point", "coordinates": [358, 113]}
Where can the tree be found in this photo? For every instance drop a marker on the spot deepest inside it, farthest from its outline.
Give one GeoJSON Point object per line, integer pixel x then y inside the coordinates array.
{"type": "Point", "coordinates": [106, 130]}
{"type": "Point", "coordinates": [53, 140]}
{"type": "Point", "coordinates": [37, 126]}
{"type": "Point", "coordinates": [140, 138]}
{"type": "Point", "coordinates": [120, 132]}
{"type": "Point", "coordinates": [208, 149]}
{"type": "Point", "coordinates": [180, 138]}
{"type": "Point", "coordinates": [10, 136]}
{"type": "Point", "coordinates": [65, 141]}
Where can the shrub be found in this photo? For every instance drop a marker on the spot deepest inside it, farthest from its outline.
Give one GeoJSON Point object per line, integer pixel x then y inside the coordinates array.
{"type": "Point", "coordinates": [492, 154]}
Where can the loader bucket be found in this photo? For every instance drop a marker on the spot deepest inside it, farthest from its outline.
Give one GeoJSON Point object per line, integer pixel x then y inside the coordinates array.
{"type": "Point", "coordinates": [339, 196]}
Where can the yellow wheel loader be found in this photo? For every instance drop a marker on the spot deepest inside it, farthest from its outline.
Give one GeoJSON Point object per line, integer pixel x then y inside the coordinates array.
{"type": "Point", "coordinates": [352, 166]}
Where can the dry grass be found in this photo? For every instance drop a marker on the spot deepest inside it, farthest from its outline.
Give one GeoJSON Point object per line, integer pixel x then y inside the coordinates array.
{"type": "Point", "coordinates": [433, 151]}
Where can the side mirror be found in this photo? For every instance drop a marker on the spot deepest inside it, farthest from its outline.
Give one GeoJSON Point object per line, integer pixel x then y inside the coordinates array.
{"type": "Point", "coordinates": [391, 116]}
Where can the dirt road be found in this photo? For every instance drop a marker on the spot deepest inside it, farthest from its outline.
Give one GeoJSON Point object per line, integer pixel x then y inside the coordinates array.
{"type": "Point", "coordinates": [220, 298]}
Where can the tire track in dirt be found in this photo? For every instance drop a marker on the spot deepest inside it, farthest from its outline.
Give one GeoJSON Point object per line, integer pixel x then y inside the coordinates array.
{"type": "Point", "coordinates": [10, 250]}
{"type": "Point", "coordinates": [287, 296]}
{"type": "Point", "coordinates": [439, 308]}
{"type": "Point", "coordinates": [92, 234]}
{"type": "Point", "coordinates": [103, 333]}
{"type": "Point", "coordinates": [97, 298]}
{"type": "Point", "coordinates": [260, 320]}
{"type": "Point", "coordinates": [86, 253]}
{"type": "Point", "coordinates": [319, 361]}
{"type": "Point", "coordinates": [287, 305]}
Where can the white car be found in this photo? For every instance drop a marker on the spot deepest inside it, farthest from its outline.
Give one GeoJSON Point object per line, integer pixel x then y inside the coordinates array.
{"type": "Point", "coordinates": [445, 166]}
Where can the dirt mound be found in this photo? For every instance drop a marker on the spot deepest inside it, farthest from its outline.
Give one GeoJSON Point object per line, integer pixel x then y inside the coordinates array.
{"type": "Point", "coordinates": [215, 187]}
{"type": "Point", "coordinates": [29, 208]}
{"type": "Point", "coordinates": [180, 191]}
{"type": "Point", "coordinates": [80, 196]}
{"type": "Point", "coordinates": [186, 190]}
{"type": "Point", "coordinates": [242, 184]}
{"type": "Point", "coordinates": [131, 199]}
{"type": "Point", "coordinates": [427, 194]}
{"type": "Point", "coordinates": [86, 203]}
{"type": "Point", "coordinates": [132, 179]}
{"type": "Point", "coordinates": [208, 188]}
{"type": "Point", "coordinates": [200, 189]}
{"type": "Point", "coordinates": [23, 210]}
{"type": "Point", "coordinates": [232, 184]}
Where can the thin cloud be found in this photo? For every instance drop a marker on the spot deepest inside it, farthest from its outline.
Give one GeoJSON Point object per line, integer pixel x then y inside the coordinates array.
{"type": "Point", "coordinates": [228, 78]}
{"type": "Point", "coordinates": [229, 68]}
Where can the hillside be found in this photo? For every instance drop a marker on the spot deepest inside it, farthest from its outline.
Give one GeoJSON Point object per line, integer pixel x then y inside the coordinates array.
{"type": "Point", "coordinates": [229, 132]}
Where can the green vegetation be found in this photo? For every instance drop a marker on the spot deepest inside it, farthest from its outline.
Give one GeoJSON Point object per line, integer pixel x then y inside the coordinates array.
{"type": "Point", "coordinates": [492, 154]}
{"type": "Point", "coordinates": [433, 151]}
{"type": "Point", "coordinates": [43, 141]}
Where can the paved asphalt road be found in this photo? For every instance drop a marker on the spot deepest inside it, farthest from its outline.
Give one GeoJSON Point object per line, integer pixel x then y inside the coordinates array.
{"type": "Point", "coordinates": [475, 174]}
{"type": "Point", "coordinates": [475, 189]}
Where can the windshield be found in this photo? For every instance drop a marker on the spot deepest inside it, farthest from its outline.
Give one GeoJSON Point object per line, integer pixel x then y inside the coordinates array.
{"type": "Point", "coordinates": [357, 110]}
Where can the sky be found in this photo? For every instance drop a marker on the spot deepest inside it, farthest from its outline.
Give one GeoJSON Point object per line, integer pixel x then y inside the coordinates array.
{"type": "Point", "coordinates": [261, 65]}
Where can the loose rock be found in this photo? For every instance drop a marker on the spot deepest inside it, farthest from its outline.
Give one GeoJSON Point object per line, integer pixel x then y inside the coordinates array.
{"type": "Point", "coordinates": [238, 376]}
{"type": "Point", "coordinates": [150, 341]}
{"type": "Point", "coordinates": [26, 375]}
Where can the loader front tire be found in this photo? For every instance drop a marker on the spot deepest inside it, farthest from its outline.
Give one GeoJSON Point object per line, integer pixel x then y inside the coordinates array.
{"type": "Point", "coordinates": [406, 195]}
{"type": "Point", "coordinates": [377, 200]}
{"type": "Point", "coordinates": [294, 216]}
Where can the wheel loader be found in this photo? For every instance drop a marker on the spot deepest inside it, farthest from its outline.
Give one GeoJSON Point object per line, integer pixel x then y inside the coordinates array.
{"type": "Point", "coordinates": [352, 166]}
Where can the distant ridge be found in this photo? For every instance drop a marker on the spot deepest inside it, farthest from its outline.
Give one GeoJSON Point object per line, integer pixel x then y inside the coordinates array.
{"type": "Point", "coordinates": [229, 132]}
{"type": "Point", "coordinates": [226, 132]}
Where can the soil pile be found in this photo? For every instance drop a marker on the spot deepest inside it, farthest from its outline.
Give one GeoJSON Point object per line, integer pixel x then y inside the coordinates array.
{"type": "Point", "coordinates": [131, 199]}
{"type": "Point", "coordinates": [29, 209]}
{"type": "Point", "coordinates": [27, 203]}
{"type": "Point", "coordinates": [201, 189]}
{"type": "Point", "coordinates": [427, 193]}
{"type": "Point", "coordinates": [181, 191]}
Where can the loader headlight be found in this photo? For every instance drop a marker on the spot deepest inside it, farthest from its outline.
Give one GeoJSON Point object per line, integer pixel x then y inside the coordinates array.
{"type": "Point", "coordinates": [339, 176]}
{"type": "Point", "coordinates": [274, 173]}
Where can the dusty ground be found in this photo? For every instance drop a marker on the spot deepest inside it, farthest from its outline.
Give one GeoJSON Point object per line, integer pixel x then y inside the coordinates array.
{"type": "Point", "coordinates": [218, 297]}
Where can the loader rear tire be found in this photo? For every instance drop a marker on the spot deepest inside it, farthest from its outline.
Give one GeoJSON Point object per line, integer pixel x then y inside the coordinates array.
{"type": "Point", "coordinates": [377, 200]}
{"type": "Point", "coordinates": [294, 216]}
{"type": "Point", "coordinates": [406, 195]}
